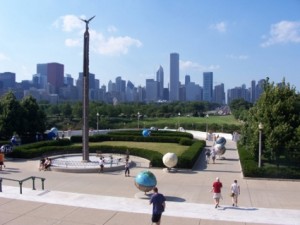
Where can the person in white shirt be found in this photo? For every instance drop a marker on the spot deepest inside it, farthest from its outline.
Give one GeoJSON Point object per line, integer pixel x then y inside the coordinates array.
{"type": "Point", "coordinates": [101, 164]}
{"type": "Point", "coordinates": [235, 192]}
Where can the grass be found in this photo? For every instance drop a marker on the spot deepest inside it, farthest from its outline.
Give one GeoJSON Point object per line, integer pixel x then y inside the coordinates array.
{"type": "Point", "coordinates": [186, 121]}
{"type": "Point", "coordinates": [159, 147]}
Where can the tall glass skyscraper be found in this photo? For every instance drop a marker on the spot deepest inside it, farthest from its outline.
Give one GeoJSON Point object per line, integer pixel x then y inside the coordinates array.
{"type": "Point", "coordinates": [208, 86]}
{"type": "Point", "coordinates": [174, 77]}
{"type": "Point", "coordinates": [160, 81]}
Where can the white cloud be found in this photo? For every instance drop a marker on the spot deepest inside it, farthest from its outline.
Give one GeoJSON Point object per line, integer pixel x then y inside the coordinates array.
{"type": "Point", "coordinates": [69, 23]}
{"type": "Point", "coordinates": [3, 57]}
{"type": "Point", "coordinates": [283, 32]}
{"type": "Point", "coordinates": [238, 57]}
{"type": "Point", "coordinates": [111, 45]}
{"type": "Point", "coordinates": [116, 45]}
{"type": "Point", "coordinates": [189, 65]}
{"type": "Point", "coordinates": [220, 27]}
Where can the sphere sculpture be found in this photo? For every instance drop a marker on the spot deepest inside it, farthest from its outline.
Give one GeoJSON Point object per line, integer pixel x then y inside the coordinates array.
{"type": "Point", "coordinates": [220, 149]}
{"type": "Point", "coordinates": [146, 133]}
{"type": "Point", "coordinates": [145, 181]}
{"type": "Point", "coordinates": [221, 140]}
{"type": "Point", "coordinates": [54, 130]}
{"type": "Point", "coordinates": [170, 159]}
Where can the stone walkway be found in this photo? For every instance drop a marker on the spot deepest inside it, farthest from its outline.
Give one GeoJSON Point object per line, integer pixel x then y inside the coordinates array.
{"type": "Point", "coordinates": [111, 198]}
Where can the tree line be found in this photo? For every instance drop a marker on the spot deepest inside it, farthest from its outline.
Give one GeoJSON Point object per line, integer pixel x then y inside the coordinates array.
{"type": "Point", "coordinates": [28, 117]}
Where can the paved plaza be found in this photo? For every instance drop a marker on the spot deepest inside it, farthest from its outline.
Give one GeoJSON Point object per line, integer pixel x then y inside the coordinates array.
{"type": "Point", "coordinates": [112, 199]}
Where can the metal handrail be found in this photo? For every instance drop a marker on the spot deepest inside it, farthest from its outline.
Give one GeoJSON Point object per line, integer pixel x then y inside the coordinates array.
{"type": "Point", "coordinates": [21, 182]}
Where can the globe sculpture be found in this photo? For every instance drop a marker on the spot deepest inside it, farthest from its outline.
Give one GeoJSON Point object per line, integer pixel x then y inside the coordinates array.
{"type": "Point", "coordinates": [54, 130]}
{"type": "Point", "coordinates": [170, 160]}
{"type": "Point", "coordinates": [145, 181]}
{"type": "Point", "coordinates": [53, 133]}
{"type": "Point", "coordinates": [220, 149]}
{"type": "Point", "coordinates": [221, 140]}
{"type": "Point", "coordinates": [146, 133]}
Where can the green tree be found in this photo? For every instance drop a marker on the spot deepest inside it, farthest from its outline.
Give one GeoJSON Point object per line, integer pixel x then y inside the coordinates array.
{"type": "Point", "coordinates": [278, 110]}
{"type": "Point", "coordinates": [67, 110]}
{"type": "Point", "coordinates": [33, 118]}
{"type": "Point", "coordinates": [10, 116]}
{"type": "Point", "coordinates": [238, 108]}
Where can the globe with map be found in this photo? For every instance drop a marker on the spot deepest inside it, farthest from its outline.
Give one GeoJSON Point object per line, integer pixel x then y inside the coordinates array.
{"type": "Point", "coordinates": [145, 181]}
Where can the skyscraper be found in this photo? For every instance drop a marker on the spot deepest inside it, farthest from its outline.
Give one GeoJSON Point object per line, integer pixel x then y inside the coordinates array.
{"type": "Point", "coordinates": [54, 73]}
{"type": "Point", "coordinates": [208, 86]}
{"type": "Point", "coordinates": [160, 81]}
{"type": "Point", "coordinates": [151, 90]}
{"type": "Point", "coordinates": [174, 77]}
{"type": "Point", "coordinates": [219, 95]}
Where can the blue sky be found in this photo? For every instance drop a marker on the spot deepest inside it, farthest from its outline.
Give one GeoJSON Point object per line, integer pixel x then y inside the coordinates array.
{"type": "Point", "coordinates": [237, 40]}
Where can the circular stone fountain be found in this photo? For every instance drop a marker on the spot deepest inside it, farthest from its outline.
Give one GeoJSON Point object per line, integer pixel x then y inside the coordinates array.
{"type": "Point", "coordinates": [72, 163]}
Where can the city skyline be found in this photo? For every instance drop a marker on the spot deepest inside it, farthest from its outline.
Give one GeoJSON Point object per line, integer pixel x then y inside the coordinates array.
{"type": "Point", "coordinates": [238, 41]}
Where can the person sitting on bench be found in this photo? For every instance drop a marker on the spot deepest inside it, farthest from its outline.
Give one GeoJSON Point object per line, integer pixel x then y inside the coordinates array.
{"type": "Point", "coordinates": [47, 164]}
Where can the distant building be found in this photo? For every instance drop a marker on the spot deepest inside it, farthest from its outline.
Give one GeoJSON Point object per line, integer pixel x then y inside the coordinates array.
{"type": "Point", "coordinates": [160, 81]}
{"type": "Point", "coordinates": [208, 86]}
{"type": "Point", "coordinates": [151, 90]}
{"type": "Point", "coordinates": [193, 92]}
{"type": "Point", "coordinates": [7, 80]}
{"type": "Point", "coordinates": [219, 94]}
{"type": "Point", "coordinates": [174, 77]}
{"type": "Point", "coordinates": [54, 73]}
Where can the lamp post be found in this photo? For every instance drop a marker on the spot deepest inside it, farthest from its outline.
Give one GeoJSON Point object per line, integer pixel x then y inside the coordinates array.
{"type": "Point", "coordinates": [206, 126]}
{"type": "Point", "coordinates": [260, 128]}
{"type": "Point", "coordinates": [97, 122]}
{"type": "Point", "coordinates": [138, 117]}
{"type": "Point", "coordinates": [178, 120]}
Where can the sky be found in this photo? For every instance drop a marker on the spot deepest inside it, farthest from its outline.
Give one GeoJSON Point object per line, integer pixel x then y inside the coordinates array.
{"type": "Point", "coordinates": [238, 40]}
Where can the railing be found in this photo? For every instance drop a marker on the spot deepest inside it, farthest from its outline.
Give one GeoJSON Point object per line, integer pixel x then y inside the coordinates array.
{"type": "Point", "coordinates": [21, 182]}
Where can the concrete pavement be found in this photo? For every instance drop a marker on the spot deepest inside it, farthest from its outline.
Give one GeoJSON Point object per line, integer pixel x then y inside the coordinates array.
{"type": "Point", "coordinates": [111, 198]}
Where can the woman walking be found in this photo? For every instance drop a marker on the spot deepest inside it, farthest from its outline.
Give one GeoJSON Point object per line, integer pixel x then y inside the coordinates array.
{"type": "Point", "coordinates": [235, 192]}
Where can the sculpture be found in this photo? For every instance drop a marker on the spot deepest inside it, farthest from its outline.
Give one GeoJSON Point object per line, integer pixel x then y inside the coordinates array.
{"type": "Point", "coordinates": [170, 160]}
{"type": "Point", "coordinates": [145, 181]}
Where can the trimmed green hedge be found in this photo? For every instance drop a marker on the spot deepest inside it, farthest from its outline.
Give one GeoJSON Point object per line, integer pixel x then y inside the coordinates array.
{"type": "Point", "coordinates": [189, 157]}
{"type": "Point", "coordinates": [48, 148]}
{"type": "Point", "coordinates": [161, 136]}
{"type": "Point", "coordinates": [250, 167]}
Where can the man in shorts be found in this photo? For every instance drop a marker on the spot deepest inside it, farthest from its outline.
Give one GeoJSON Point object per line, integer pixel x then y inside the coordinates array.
{"type": "Point", "coordinates": [216, 189]}
{"type": "Point", "coordinates": [159, 203]}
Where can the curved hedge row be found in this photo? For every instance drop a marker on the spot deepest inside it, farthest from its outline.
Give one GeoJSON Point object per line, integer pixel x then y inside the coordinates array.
{"type": "Point", "coordinates": [126, 137]}
{"type": "Point", "coordinates": [57, 147]}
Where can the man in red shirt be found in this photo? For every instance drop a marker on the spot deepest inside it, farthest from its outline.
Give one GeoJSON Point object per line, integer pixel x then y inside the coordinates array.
{"type": "Point", "coordinates": [216, 189]}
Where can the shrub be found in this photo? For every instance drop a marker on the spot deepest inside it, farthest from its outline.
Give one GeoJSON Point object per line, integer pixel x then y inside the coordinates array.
{"type": "Point", "coordinates": [190, 156]}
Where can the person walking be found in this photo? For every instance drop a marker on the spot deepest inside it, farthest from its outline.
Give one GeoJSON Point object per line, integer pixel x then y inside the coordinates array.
{"type": "Point", "coordinates": [207, 154]}
{"type": "Point", "coordinates": [216, 189]}
{"type": "Point", "coordinates": [159, 204]}
{"type": "Point", "coordinates": [101, 164]}
{"type": "Point", "coordinates": [235, 192]}
{"type": "Point", "coordinates": [213, 155]}
{"type": "Point", "coordinates": [127, 172]}
{"type": "Point", "coordinates": [2, 160]}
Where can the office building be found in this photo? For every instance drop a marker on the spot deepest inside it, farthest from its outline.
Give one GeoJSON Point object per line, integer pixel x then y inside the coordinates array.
{"type": "Point", "coordinates": [54, 72]}
{"type": "Point", "coordinates": [208, 86]}
{"type": "Point", "coordinates": [174, 77]}
{"type": "Point", "coordinates": [160, 81]}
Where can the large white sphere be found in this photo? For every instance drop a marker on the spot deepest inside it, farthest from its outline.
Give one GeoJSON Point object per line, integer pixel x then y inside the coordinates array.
{"type": "Point", "coordinates": [170, 159]}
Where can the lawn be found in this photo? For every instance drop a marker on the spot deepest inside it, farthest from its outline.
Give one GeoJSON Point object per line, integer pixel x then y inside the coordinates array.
{"type": "Point", "coordinates": [159, 147]}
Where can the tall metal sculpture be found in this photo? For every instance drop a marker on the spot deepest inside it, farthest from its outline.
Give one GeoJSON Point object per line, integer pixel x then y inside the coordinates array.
{"type": "Point", "coordinates": [86, 74]}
